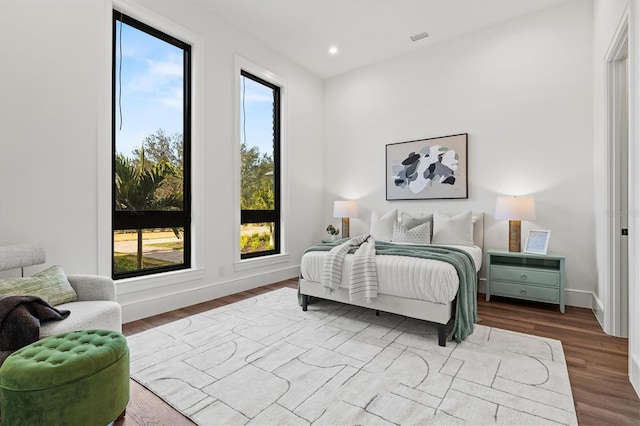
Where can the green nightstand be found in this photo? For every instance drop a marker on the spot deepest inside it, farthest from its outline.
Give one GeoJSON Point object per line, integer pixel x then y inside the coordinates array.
{"type": "Point", "coordinates": [526, 276]}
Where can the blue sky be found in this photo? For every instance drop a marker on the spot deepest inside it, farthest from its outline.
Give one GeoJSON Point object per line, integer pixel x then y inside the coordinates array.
{"type": "Point", "coordinates": [258, 110]}
{"type": "Point", "coordinates": [152, 94]}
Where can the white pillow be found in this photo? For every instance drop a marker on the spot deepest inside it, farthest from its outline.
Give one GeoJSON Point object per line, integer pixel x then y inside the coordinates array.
{"type": "Point", "coordinates": [420, 234]}
{"type": "Point", "coordinates": [382, 226]}
{"type": "Point", "coordinates": [411, 220]}
{"type": "Point", "coordinates": [452, 230]}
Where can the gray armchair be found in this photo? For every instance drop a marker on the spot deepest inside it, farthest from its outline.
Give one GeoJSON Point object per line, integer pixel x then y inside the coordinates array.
{"type": "Point", "coordinates": [96, 307]}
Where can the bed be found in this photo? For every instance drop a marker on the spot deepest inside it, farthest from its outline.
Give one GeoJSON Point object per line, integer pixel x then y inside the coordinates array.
{"type": "Point", "coordinates": [424, 289]}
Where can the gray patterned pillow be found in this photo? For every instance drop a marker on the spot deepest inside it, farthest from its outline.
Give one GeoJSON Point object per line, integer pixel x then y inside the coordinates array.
{"type": "Point", "coordinates": [51, 285]}
{"type": "Point", "coordinates": [420, 234]}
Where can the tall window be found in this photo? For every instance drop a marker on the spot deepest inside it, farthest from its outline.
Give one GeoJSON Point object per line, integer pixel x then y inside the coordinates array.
{"type": "Point", "coordinates": [151, 150]}
{"type": "Point", "coordinates": [260, 167]}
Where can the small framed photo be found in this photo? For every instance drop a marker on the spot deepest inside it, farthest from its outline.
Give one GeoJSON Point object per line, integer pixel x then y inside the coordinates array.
{"type": "Point", "coordinates": [537, 242]}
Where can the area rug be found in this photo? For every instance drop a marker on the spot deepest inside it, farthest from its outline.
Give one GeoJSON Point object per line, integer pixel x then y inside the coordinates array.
{"type": "Point", "coordinates": [264, 361]}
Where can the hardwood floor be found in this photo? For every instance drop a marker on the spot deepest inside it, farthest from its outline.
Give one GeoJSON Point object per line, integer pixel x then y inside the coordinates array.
{"type": "Point", "coordinates": [597, 363]}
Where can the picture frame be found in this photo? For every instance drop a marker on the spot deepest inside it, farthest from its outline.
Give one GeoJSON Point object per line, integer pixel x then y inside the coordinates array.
{"type": "Point", "coordinates": [427, 169]}
{"type": "Point", "coordinates": [537, 241]}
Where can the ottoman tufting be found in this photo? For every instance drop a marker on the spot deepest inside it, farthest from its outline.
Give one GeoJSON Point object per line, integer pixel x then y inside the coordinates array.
{"type": "Point", "coordinates": [76, 378]}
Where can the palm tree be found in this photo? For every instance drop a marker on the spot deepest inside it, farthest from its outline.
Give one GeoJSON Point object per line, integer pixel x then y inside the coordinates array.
{"type": "Point", "coordinates": [137, 184]}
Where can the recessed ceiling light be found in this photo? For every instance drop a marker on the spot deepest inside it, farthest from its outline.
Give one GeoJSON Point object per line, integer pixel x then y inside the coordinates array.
{"type": "Point", "coordinates": [333, 50]}
{"type": "Point", "coordinates": [419, 36]}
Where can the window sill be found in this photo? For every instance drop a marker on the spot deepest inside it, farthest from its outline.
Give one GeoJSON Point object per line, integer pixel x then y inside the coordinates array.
{"type": "Point", "coordinates": [259, 262]}
{"type": "Point", "coordinates": [132, 285]}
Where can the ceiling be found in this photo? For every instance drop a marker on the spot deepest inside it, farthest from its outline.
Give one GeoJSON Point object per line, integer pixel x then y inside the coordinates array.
{"type": "Point", "coordinates": [365, 31]}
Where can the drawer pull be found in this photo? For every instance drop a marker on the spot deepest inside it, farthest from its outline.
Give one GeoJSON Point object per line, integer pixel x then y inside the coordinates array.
{"type": "Point", "coordinates": [523, 277]}
{"type": "Point", "coordinates": [523, 292]}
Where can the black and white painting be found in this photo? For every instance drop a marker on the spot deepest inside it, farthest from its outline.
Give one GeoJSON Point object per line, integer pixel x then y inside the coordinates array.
{"type": "Point", "coordinates": [434, 168]}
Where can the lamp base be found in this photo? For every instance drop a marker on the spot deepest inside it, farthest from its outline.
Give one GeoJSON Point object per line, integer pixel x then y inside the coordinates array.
{"type": "Point", "coordinates": [345, 227]}
{"type": "Point", "coordinates": [514, 235]}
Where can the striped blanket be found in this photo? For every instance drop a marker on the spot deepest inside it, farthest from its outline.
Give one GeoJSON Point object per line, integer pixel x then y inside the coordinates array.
{"type": "Point", "coordinates": [467, 303]}
{"type": "Point", "coordinates": [364, 278]}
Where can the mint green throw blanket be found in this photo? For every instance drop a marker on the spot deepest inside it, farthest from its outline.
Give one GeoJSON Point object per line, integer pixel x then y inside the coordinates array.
{"type": "Point", "coordinates": [467, 303]}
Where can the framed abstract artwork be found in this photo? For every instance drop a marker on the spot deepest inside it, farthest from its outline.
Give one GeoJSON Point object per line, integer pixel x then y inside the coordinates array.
{"type": "Point", "coordinates": [427, 169]}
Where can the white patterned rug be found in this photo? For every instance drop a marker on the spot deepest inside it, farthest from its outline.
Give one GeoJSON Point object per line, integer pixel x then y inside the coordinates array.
{"type": "Point", "coordinates": [263, 361]}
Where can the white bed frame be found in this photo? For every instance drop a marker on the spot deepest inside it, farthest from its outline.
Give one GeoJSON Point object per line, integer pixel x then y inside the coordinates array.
{"type": "Point", "coordinates": [441, 314]}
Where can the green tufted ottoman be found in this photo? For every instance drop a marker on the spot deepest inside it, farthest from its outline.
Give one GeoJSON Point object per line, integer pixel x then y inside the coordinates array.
{"type": "Point", "coordinates": [77, 378]}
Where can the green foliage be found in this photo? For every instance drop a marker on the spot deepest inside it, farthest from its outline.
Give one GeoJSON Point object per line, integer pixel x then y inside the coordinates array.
{"type": "Point", "coordinates": [251, 243]}
{"type": "Point", "coordinates": [256, 193]}
{"type": "Point", "coordinates": [123, 262]}
{"type": "Point", "coordinates": [162, 148]}
{"type": "Point", "coordinates": [138, 184]}
{"type": "Point", "coordinates": [332, 230]}
{"type": "Point", "coordinates": [257, 183]}
{"type": "Point", "coordinates": [152, 180]}
{"type": "Point", "coordinates": [174, 245]}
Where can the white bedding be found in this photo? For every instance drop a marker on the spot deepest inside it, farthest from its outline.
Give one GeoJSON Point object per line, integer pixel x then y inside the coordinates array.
{"type": "Point", "coordinates": [403, 276]}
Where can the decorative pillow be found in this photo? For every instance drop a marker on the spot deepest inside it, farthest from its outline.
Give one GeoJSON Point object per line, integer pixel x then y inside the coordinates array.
{"type": "Point", "coordinates": [454, 230]}
{"type": "Point", "coordinates": [382, 226]}
{"type": "Point", "coordinates": [51, 285]}
{"type": "Point", "coordinates": [420, 234]}
{"type": "Point", "coordinates": [411, 220]}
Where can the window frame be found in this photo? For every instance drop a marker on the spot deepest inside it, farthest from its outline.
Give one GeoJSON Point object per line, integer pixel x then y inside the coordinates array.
{"type": "Point", "coordinates": [267, 216]}
{"type": "Point", "coordinates": [129, 220]}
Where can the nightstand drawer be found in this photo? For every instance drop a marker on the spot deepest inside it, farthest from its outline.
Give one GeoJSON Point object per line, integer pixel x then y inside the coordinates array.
{"type": "Point", "coordinates": [542, 294]}
{"type": "Point", "coordinates": [526, 276]}
{"type": "Point", "coordinates": [504, 273]}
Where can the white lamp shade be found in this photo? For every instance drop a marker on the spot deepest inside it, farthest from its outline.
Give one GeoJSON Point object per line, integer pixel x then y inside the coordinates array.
{"type": "Point", "coordinates": [345, 209]}
{"type": "Point", "coordinates": [515, 208]}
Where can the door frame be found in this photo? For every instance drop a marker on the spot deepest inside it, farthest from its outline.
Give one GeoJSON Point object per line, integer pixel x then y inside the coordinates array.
{"type": "Point", "coordinates": [615, 95]}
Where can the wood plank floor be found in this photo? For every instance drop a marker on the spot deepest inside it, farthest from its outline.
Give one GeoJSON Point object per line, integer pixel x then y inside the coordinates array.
{"type": "Point", "coordinates": [597, 363]}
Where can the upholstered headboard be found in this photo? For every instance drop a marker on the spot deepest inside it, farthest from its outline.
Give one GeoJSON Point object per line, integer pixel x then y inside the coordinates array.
{"type": "Point", "coordinates": [478, 229]}
{"type": "Point", "coordinates": [20, 256]}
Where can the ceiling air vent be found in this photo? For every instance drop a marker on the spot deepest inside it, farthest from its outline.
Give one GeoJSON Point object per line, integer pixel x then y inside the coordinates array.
{"type": "Point", "coordinates": [419, 36]}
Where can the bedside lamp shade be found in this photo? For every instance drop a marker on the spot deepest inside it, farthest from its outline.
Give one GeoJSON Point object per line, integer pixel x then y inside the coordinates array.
{"type": "Point", "coordinates": [345, 210]}
{"type": "Point", "coordinates": [515, 209]}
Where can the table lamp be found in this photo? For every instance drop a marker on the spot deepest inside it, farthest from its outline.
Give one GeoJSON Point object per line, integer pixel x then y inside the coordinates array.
{"type": "Point", "coordinates": [515, 209]}
{"type": "Point", "coordinates": [345, 210]}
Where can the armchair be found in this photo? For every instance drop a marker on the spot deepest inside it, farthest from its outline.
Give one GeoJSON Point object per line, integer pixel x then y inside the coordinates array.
{"type": "Point", "coordinates": [96, 307]}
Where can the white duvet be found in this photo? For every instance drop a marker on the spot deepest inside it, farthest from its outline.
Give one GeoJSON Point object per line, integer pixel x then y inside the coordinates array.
{"type": "Point", "coordinates": [403, 276]}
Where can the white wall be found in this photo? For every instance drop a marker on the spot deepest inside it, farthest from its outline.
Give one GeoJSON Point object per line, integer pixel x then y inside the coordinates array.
{"type": "Point", "coordinates": [54, 132]}
{"type": "Point", "coordinates": [48, 114]}
{"type": "Point", "coordinates": [522, 90]}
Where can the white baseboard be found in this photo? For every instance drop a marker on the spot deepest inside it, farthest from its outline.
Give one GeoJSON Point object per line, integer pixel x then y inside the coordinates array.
{"type": "Point", "coordinates": [149, 303]}
{"type": "Point", "coordinates": [579, 298]}
{"type": "Point", "coordinates": [634, 372]}
{"type": "Point", "coordinates": [598, 310]}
